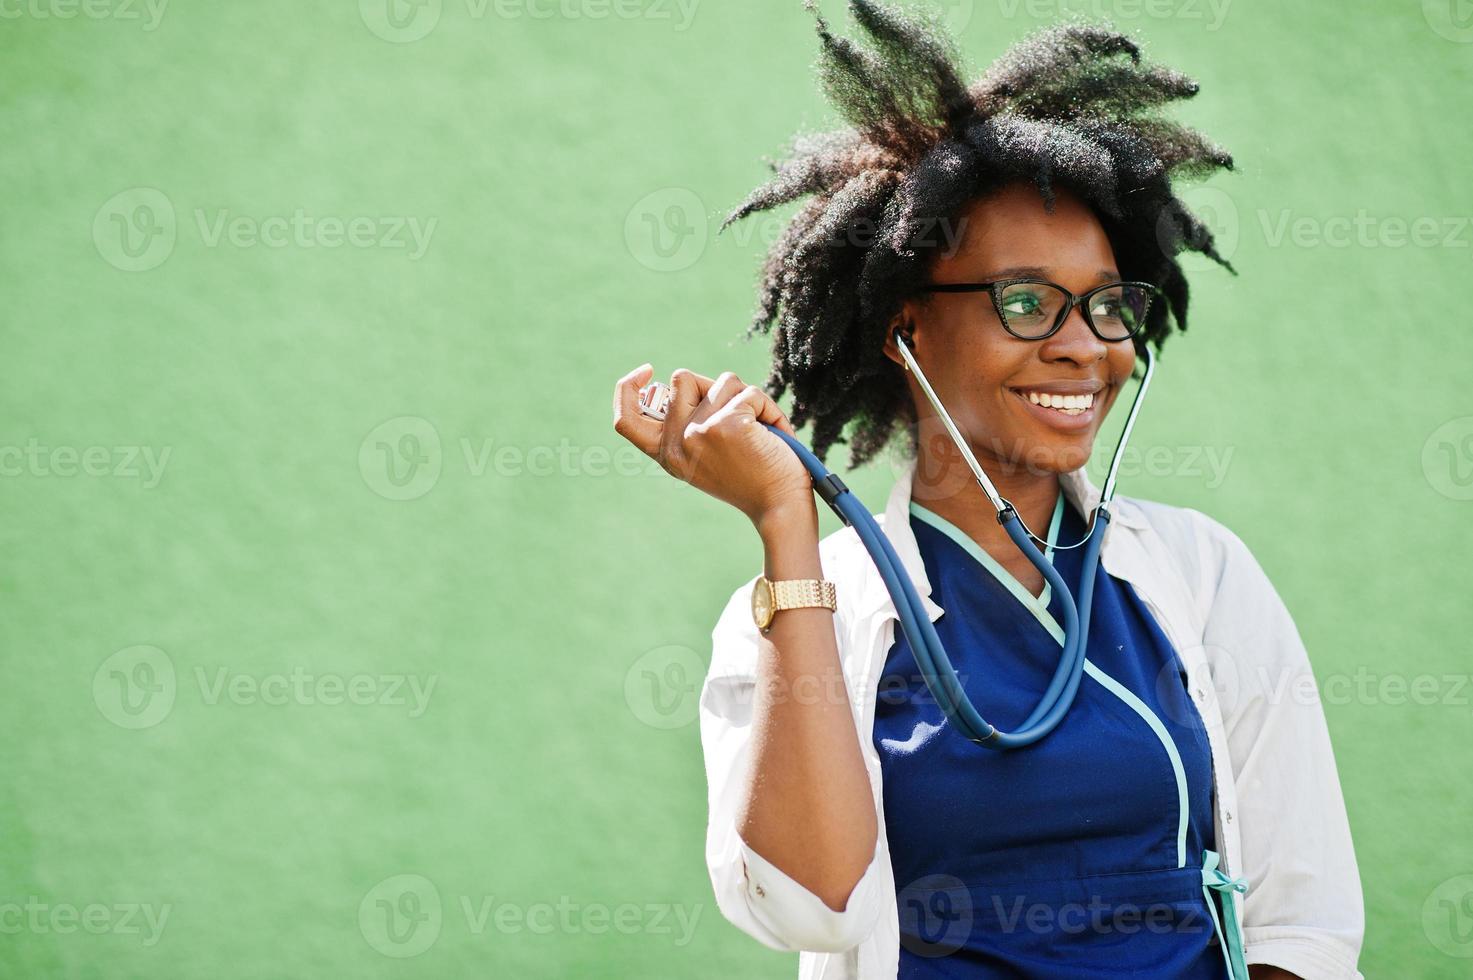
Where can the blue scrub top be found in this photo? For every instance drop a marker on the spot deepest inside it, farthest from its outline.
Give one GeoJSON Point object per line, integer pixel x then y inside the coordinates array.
{"type": "Point", "coordinates": [1081, 855]}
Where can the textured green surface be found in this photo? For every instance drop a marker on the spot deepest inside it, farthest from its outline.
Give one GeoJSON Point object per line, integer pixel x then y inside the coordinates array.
{"type": "Point", "coordinates": [537, 785]}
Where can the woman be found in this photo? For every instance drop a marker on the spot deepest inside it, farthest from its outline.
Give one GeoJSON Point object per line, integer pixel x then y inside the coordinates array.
{"type": "Point", "coordinates": [1169, 826]}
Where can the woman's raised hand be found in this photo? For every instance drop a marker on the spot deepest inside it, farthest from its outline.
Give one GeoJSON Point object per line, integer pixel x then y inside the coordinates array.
{"type": "Point", "coordinates": [712, 439]}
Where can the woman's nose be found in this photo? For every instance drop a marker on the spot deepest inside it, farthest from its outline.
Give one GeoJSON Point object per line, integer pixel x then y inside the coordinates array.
{"type": "Point", "coordinates": [1074, 341]}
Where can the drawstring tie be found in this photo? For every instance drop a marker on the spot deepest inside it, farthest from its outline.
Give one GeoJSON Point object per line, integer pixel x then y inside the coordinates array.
{"type": "Point", "coordinates": [1230, 938]}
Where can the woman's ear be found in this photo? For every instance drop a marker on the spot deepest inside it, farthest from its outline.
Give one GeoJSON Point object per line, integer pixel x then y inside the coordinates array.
{"type": "Point", "coordinates": [904, 323]}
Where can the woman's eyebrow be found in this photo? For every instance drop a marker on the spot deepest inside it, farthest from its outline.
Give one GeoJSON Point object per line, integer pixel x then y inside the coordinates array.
{"type": "Point", "coordinates": [1020, 270]}
{"type": "Point", "coordinates": [1105, 275]}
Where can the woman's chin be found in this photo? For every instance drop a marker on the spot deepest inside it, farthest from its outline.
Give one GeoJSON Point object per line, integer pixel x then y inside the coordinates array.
{"type": "Point", "coordinates": [1052, 457]}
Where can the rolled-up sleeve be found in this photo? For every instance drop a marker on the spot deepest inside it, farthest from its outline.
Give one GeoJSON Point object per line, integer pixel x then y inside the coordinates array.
{"type": "Point", "coordinates": [1303, 911]}
{"type": "Point", "coordinates": [753, 894]}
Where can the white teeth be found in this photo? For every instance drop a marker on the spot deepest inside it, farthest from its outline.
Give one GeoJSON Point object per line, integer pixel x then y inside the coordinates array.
{"type": "Point", "coordinates": [1068, 404]}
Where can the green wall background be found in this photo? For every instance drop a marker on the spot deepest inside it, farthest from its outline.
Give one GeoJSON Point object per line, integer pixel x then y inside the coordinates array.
{"type": "Point", "coordinates": [208, 706]}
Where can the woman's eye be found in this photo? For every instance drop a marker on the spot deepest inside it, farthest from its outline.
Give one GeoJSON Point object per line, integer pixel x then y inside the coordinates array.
{"type": "Point", "coordinates": [1021, 305]}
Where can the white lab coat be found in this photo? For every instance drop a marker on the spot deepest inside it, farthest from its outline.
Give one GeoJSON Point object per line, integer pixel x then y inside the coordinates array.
{"type": "Point", "coordinates": [1279, 816]}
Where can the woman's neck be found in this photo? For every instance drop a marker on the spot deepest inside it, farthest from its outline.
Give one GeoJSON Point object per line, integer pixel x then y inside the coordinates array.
{"type": "Point", "coordinates": [944, 485]}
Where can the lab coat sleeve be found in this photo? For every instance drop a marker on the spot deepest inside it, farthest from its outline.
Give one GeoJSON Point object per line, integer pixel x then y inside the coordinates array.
{"type": "Point", "coordinates": [753, 894]}
{"type": "Point", "coordinates": [1303, 911]}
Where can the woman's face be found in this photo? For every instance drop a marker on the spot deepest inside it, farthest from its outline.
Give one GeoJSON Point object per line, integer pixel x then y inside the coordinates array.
{"type": "Point", "coordinates": [983, 374]}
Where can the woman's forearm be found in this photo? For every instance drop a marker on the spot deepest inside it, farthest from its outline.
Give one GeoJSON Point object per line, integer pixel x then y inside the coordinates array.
{"type": "Point", "coordinates": [809, 808]}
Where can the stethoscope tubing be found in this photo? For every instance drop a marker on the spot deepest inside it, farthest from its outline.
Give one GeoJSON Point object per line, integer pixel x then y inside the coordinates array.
{"type": "Point", "coordinates": [935, 666]}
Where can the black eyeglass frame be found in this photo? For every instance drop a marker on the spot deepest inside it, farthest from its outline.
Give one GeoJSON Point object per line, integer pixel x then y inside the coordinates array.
{"type": "Point", "coordinates": [996, 286]}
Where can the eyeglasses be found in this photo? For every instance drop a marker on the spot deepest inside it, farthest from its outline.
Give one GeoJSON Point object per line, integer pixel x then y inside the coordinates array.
{"type": "Point", "coordinates": [1033, 309]}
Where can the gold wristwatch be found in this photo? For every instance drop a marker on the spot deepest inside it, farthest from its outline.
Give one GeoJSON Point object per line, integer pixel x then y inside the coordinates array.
{"type": "Point", "coordinates": [770, 598]}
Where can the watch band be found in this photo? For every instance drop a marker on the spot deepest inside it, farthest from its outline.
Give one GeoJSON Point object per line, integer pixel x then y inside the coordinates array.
{"type": "Point", "coordinates": [804, 593]}
{"type": "Point", "coordinates": [770, 598]}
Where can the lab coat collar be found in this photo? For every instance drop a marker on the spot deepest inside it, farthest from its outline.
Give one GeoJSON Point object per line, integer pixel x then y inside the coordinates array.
{"type": "Point", "coordinates": [1078, 488]}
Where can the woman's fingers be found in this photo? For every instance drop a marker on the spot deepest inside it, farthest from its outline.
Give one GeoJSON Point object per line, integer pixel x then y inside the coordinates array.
{"type": "Point", "coordinates": [769, 411]}
{"type": "Point", "coordinates": [687, 389]}
{"type": "Point", "coordinates": [696, 400]}
{"type": "Point", "coordinates": [629, 421]}
{"type": "Point", "coordinates": [726, 387]}
{"type": "Point", "coordinates": [753, 399]}
{"type": "Point", "coordinates": [707, 440]}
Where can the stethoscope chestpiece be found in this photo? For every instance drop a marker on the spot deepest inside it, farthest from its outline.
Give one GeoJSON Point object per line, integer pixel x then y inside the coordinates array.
{"type": "Point", "coordinates": [654, 400]}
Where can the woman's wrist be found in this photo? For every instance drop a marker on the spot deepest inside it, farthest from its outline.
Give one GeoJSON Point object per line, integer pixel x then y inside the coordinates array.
{"type": "Point", "coordinates": [789, 535]}
{"type": "Point", "coordinates": [787, 520]}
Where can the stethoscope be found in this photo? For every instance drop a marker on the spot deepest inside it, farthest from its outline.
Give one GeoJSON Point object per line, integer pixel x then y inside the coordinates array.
{"type": "Point", "coordinates": [930, 655]}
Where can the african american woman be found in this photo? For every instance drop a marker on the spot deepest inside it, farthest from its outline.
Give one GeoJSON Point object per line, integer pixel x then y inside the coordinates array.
{"type": "Point", "coordinates": [1185, 818]}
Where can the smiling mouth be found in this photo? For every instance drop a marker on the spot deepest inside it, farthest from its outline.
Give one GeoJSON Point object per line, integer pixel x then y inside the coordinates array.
{"type": "Point", "coordinates": [1067, 404]}
{"type": "Point", "coordinates": [1071, 412]}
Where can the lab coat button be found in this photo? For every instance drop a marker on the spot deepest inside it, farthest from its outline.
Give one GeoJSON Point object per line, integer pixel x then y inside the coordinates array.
{"type": "Point", "coordinates": [760, 892]}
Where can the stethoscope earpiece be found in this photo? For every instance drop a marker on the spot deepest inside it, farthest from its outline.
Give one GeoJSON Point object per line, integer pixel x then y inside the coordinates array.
{"type": "Point", "coordinates": [904, 336]}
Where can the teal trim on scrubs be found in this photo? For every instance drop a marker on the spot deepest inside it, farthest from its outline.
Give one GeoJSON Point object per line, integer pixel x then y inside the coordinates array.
{"type": "Point", "coordinates": [1096, 820]}
{"type": "Point", "coordinates": [1038, 604]}
{"type": "Point", "coordinates": [1039, 607]}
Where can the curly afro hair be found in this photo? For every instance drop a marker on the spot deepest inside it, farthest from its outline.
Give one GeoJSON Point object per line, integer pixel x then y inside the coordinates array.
{"type": "Point", "coordinates": [1071, 106]}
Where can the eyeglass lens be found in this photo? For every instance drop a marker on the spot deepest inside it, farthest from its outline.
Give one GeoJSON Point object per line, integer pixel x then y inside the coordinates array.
{"type": "Point", "coordinates": [1032, 308]}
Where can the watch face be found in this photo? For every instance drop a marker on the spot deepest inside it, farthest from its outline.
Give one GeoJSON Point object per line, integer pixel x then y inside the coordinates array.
{"type": "Point", "coordinates": [762, 603]}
